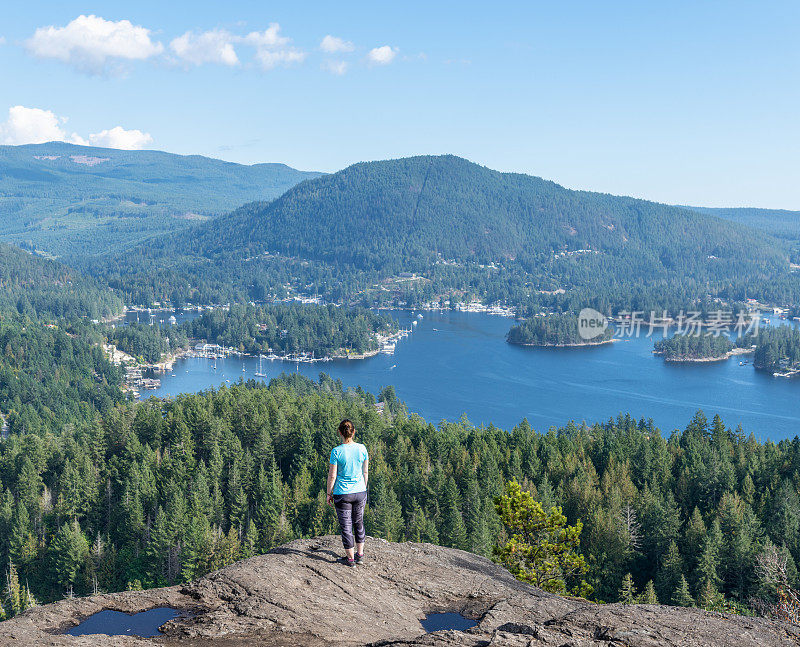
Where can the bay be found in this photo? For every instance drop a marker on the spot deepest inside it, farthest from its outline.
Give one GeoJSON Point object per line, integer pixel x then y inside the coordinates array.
{"type": "Point", "coordinates": [458, 363]}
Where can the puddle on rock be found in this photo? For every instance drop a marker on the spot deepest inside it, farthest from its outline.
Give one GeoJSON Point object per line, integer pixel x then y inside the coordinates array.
{"type": "Point", "coordinates": [116, 623]}
{"type": "Point", "coordinates": [440, 621]}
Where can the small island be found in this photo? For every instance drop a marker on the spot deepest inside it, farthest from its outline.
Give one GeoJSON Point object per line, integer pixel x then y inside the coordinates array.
{"type": "Point", "coordinates": [554, 331]}
{"type": "Point", "coordinates": [778, 351]}
{"type": "Point", "coordinates": [700, 348]}
{"type": "Point", "coordinates": [290, 330]}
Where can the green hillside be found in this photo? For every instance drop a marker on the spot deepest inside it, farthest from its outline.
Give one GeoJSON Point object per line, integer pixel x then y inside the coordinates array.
{"type": "Point", "coordinates": [463, 229]}
{"type": "Point", "coordinates": [67, 199]}
{"type": "Point", "coordinates": [41, 288]}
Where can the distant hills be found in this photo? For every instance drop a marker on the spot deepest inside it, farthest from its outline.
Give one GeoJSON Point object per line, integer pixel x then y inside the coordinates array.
{"type": "Point", "coordinates": [778, 222]}
{"type": "Point", "coordinates": [67, 199]}
{"type": "Point", "coordinates": [460, 227]}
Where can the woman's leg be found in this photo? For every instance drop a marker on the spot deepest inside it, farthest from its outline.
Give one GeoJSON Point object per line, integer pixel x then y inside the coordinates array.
{"type": "Point", "coordinates": [344, 513]}
{"type": "Point", "coordinates": [358, 521]}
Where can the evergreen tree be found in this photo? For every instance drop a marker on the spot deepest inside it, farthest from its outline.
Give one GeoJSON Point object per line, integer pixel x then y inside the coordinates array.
{"type": "Point", "coordinates": [681, 596]}
{"type": "Point", "coordinates": [541, 548]}
{"type": "Point", "coordinates": [68, 553]}
{"type": "Point", "coordinates": [627, 591]}
{"type": "Point", "coordinates": [648, 596]}
{"type": "Point", "coordinates": [453, 531]}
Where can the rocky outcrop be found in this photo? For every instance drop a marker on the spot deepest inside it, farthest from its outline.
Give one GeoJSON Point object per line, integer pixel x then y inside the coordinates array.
{"type": "Point", "coordinates": [299, 595]}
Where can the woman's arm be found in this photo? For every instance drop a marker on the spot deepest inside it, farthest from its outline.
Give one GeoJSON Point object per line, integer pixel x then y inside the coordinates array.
{"type": "Point", "coordinates": [331, 482]}
{"type": "Point", "coordinates": [365, 470]}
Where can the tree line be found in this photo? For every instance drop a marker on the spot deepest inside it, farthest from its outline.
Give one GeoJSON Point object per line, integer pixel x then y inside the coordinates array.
{"type": "Point", "coordinates": [162, 491]}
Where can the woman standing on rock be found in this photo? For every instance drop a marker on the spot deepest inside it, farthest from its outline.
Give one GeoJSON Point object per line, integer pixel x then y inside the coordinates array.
{"type": "Point", "coordinates": [347, 490]}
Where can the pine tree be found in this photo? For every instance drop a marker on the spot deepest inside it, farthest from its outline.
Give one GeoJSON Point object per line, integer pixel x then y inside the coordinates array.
{"type": "Point", "coordinates": [648, 596]}
{"type": "Point", "coordinates": [478, 540]}
{"type": "Point", "coordinates": [681, 596]}
{"type": "Point", "coordinates": [453, 532]}
{"type": "Point", "coordinates": [708, 563]}
{"type": "Point", "coordinates": [709, 596]}
{"type": "Point", "coordinates": [12, 589]}
{"type": "Point", "coordinates": [670, 572]}
{"type": "Point", "coordinates": [627, 591]}
{"type": "Point", "coordinates": [542, 549]}
{"type": "Point", "coordinates": [68, 553]}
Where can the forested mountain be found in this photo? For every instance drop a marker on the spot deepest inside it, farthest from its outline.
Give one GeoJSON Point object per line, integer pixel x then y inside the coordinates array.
{"type": "Point", "coordinates": [68, 199]}
{"type": "Point", "coordinates": [37, 287]}
{"type": "Point", "coordinates": [163, 491]}
{"type": "Point", "coordinates": [778, 222]}
{"type": "Point", "coordinates": [462, 230]}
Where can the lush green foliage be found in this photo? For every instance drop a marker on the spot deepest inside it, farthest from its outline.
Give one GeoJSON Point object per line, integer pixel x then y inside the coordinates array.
{"type": "Point", "coordinates": [166, 490]}
{"type": "Point", "coordinates": [147, 342]}
{"type": "Point", "coordinates": [52, 376]}
{"type": "Point", "coordinates": [778, 349]}
{"type": "Point", "coordinates": [37, 287]}
{"type": "Point", "coordinates": [541, 548]}
{"type": "Point", "coordinates": [691, 347]}
{"type": "Point", "coordinates": [292, 328]}
{"type": "Point", "coordinates": [552, 330]}
{"type": "Point", "coordinates": [92, 200]}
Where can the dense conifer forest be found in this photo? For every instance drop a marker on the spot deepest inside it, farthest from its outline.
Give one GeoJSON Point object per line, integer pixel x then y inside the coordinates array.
{"type": "Point", "coordinates": [553, 330]}
{"type": "Point", "coordinates": [693, 347]}
{"type": "Point", "coordinates": [162, 491]}
{"type": "Point", "coordinates": [778, 349]}
{"type": "Point", "coordinates": [41, 288]}
{"type": "Point", "coordinates": [53, 376]}
{"type": "Point", "coordinates": [285, 328]}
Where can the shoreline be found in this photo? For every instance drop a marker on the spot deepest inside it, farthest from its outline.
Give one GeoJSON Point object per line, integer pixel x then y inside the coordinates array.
{"type": "Point", "coordinates": [704, 360]}
{"type": "Point", "coordinates": [581, 345]}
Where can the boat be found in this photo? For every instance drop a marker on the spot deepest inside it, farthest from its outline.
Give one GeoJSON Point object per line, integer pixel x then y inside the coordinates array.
{"type": "Point", "coordinates": [419, 316]}
{"type": "Point", "coordinates": [260, 372]}
{"type": "Point", "coordinates": [414, 323]}
{"type": "Point", "coordinates": [392, 366]}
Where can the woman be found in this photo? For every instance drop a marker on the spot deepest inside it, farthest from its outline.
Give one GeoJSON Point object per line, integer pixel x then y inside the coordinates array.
{"type": "Point", "coordinates": [347, 490]}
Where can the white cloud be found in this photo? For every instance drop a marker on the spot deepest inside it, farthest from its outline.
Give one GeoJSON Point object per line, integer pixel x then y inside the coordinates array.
{"type": "Point", "coordinates": [2, 40]}
{"type": "Point", "coordinates": [118, 137]}
{"type": "Point", "coordinates": [333, 45]}
{"type": "Point", "coordinates": [382, 55]}
{"type": "Point", "coordinates": [273, 49]}
{"type": "Point", "coordinates": [213, 46]}
{"type": "Point", "coordinates": [270, 38]}
{"type": "Point", "coordinates": [89, 43]}
{"type": "Point", "coordinates": [37, 126]}
{"type": "Point", "coordinates": [335, 67]}
{"type": "Point", "coordinates": [32, 126]}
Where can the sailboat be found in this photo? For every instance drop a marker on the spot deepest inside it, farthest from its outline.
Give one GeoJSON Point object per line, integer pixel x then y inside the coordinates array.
{"type": "Point", "coordinates": [260, 372]}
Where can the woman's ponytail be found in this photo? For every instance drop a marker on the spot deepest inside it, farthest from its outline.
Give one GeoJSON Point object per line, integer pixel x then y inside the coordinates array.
{"type": "Point", "coordinates": [347, 429]}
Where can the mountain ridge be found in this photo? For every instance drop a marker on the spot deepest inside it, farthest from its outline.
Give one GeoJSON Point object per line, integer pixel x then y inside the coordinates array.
{"type": "Point", "coordinates": [71, 199]}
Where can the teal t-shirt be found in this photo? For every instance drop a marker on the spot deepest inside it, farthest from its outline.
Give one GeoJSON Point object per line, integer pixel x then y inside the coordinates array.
{"type": "Point", "coordinates": [348, 459]}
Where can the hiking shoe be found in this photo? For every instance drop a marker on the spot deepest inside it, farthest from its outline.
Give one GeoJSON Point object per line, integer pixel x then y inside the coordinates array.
{"type": "Point", "coordinates": [348, 561]}
{"type": "Point", "coordinates": [358, 559]}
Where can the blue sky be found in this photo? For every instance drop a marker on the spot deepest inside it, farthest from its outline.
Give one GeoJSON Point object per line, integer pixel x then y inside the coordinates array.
{"type": "Point", "coordinates": [681, 102]}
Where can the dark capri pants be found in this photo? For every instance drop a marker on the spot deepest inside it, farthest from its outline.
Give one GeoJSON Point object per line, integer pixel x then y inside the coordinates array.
{"type": "Point", "coordinates": [350, 512]}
